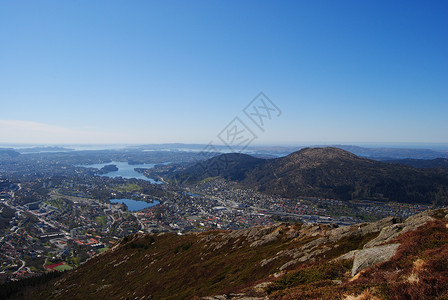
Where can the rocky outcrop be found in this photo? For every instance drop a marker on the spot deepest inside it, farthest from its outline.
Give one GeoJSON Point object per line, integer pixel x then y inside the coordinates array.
{"type": "Point", "coordinates": [392, 231]}
{"type": "Point", "coordinates": [368, 257]}
{"type": "Point", "coordinates": [348, 255]}
{"type": "Point", "coordinates": [387, 234]}
{"type": "Point", "coordinates": [267, 238]}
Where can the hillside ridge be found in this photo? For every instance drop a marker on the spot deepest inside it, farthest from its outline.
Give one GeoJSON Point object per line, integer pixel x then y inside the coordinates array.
{"type": "Point", "coordinates": [326, 172]}
{"type": "Point", "coordinates": [283, 261]}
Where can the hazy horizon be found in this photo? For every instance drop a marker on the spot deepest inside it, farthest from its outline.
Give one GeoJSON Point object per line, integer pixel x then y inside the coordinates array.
{"type": "Point", "coordinates": [199, 146]}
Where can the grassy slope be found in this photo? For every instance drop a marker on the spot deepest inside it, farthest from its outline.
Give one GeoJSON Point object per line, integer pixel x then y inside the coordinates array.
{"type": "Point", "coordinates": [168, 266]}
{"type": "Point", "coordinates": [172, 267]}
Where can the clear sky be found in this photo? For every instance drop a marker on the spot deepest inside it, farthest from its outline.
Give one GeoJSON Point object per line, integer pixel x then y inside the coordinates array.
{"type": "Point", "coordinates": [180, 71]}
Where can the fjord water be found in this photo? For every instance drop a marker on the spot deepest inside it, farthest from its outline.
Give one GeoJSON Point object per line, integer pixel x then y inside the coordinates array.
{"type": "Point", "coordinates": [125, 170]}
{"type": "Point", "coordinates": [134, 205]}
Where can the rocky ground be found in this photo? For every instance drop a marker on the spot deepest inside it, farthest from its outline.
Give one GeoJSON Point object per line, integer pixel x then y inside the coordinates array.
{"type": "Point", "coordinates": [391, 258]}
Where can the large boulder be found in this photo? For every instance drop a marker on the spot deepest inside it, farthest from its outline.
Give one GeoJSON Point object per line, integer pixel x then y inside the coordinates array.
{"type": "Point", "coordinates": [371, 256]}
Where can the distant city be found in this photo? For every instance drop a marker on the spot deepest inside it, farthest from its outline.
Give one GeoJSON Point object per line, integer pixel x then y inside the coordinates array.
{"type": "Point", "coordinates": [60, 206]}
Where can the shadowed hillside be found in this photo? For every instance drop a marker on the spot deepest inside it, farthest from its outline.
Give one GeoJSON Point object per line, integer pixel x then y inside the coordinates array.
{"type": "Point", "coordinates": [327, 172]}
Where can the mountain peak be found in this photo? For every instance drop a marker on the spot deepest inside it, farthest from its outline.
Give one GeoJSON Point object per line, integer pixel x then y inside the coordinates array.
{"type": "Point", "coordinates": [324, 153]}
{"type": "Point", "coordinates": [327, 172]}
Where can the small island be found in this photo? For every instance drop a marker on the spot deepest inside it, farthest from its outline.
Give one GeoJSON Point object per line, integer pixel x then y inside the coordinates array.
{"type": "Point", "coordinates": [133, 162]}
{"type": "Point", "coordinates": [107, 169]}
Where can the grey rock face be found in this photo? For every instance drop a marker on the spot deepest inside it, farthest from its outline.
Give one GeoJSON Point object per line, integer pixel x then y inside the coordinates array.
{"type": "Point", "coordinates": [348, 255]}
{"type": "Point", "coordinates": [388, 233]}
{"type": "Point", "coordinates": [372, 256]}
{"type": "Point", "coordinates": [266, 239]}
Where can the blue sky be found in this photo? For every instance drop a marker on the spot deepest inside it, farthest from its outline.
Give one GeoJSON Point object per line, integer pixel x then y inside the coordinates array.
{"type": "Point", "coordinates": [180, 71]}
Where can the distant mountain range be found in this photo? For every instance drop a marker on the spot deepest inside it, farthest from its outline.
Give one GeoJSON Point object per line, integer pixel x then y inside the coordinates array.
{"type": "Point", "coordinates": [389, 153]}
{"type": "Point", "coordinates": [44, 149]}
{"type": "Point", "coordinates": [7, 153]}
{"type": "Point", "coordinates": [422, 163]}
{"type": "Point", "coordinates": [326, 172]}
{"type": "Point", "coordinates": [378, 153]}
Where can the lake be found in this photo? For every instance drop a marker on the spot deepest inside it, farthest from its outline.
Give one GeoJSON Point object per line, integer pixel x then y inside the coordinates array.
{"type": "Point", "coordinates": [134, 205]}
{"type": "Point", "coordinates": [125, 170]}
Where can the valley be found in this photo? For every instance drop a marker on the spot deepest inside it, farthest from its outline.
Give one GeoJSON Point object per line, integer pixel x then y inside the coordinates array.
{"type": "Point", "coordinates": [56, 208]}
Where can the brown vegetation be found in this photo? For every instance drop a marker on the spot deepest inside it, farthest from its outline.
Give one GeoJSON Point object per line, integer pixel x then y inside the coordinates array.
{"type": "Point", "coordinates": [252, 262]}
{"type": "Point", "coordinates": [419, 270]}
